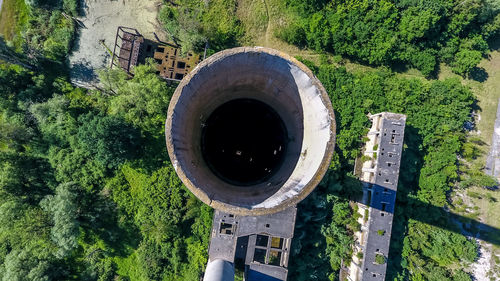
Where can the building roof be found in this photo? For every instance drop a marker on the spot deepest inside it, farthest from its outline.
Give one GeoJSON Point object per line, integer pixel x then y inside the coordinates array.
{"type": "Point", "coordinates": [260, 243]}
{"type": "Point", "coordinates": [383, 190]}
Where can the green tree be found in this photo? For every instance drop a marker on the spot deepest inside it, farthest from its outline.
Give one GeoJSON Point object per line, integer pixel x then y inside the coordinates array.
{"type": "Point", "coordinates": [465, 61]}
{"type": "Point", "coordinates": [63, 208]}
{"type": "Point", "coordinates": [141, 101]}
{"type": "Point", "coordinates": [110, 140]}
{"type": "Point", "coordinates": [8, 54]}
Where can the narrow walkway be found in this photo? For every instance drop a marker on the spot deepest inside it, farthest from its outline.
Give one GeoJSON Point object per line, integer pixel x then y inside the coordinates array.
{"type": "Point", "coordinates": [493, 161]}
{"type": "Point", "coordinates": [268, 28]}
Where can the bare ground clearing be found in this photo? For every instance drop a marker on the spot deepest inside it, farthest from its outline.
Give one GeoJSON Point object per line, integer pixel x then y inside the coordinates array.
{"type": "Point", "coordinates": [101, 18]}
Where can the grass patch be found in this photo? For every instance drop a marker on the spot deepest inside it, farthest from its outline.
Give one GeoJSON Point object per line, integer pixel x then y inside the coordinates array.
{"type": "Point", "coordinates": [261, 19]}
{"type": "Point", "coordinates": [487, 201]}
{"type": "Point", "coordinates": [13, 17]}
{"type": "Point", "coordinates": [253, 15]}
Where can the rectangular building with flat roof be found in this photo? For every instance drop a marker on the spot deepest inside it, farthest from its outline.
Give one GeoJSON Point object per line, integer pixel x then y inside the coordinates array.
{"type": "Point", "coordinates": [259, 246]}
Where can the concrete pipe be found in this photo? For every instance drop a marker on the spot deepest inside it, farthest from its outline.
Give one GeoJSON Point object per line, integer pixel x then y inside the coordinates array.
{"type": "Point", "coordinates": [250, 131]}
{"type": "Point", "coordinates": [219, 270]}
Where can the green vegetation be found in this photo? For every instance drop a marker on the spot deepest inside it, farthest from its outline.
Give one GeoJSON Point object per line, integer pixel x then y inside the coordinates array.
{"type": "Point", "coordinates": [51, 32]}
{"type": "Point", "coordinates": [436, 113]}
{"type": "Point", "coordinates": [365, 158]}
{"type": "Point", "coordinates": [379, 259]}
{"type": "Point", "coordinates": [193, 23]}
{"type": "Point", "coordinates": [416, 33]}
{"type": "Point", "coordinates": [87, 190]}
{"type": "Point", "coordinates": [359, 255]}
{"type": "Point", "coordinates": [381, 232]}
{"type": "Point", "coordinates": [13, 17]}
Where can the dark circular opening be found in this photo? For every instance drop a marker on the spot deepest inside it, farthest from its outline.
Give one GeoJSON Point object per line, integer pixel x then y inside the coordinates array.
{"type": "Point", "coordinates": [244, 141]}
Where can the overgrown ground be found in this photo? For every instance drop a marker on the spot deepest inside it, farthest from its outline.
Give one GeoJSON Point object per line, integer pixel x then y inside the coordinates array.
{"type": "Point", "coordinates": [13, 16]}
{"type": "Point", "coordinates": [60, 152]}
{"type": "Point", "coordinates": [261, 19]}
{"type": "Point", "coordinates": [483, 203]}
{"type": "Point", "coordinates": [479, 203]}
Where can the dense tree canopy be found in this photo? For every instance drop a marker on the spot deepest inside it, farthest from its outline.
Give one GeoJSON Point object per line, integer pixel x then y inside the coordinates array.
{"type": "Point", "coordinates": [85, 177]}
{"type": "Point", "coordinates": [87, 190]}
{"type": "Point", "coordinates": [418, 33]}
{"type": "Point", "coordinates": [436, 112]}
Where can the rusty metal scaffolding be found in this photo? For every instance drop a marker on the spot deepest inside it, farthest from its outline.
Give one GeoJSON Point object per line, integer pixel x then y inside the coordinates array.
{"type": "Point", "coordinates": [128, 40]}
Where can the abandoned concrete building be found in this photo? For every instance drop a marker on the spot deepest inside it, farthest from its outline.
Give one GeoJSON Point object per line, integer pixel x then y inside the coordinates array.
{"type": "Point", "coordinates": [379, 175]}
{"type": "Point", "coordinates": [250, 132]}
{"type": "Point", "coordinates": [131, 49]}
{"type": "Point", "coordinates": [258, 246]}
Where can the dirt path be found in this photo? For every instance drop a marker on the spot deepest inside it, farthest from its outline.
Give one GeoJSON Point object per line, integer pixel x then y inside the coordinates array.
{"type": "Point", "coordinates": [482, 266]}
{"type": "Point", "coordinates": [268, 27]}
{"type": "Point", "coordinates": [493, 160]}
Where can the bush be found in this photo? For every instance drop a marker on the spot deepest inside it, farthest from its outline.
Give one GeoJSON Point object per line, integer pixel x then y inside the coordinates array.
{"type": "Point", "coordinates": [359, 255]}
{"type": "Point", "coordinates": [379, 259]}
{"type": "Point", "coordinates": [365, 158]}
{"type": "Point", "coordinates": [293, 34]}
{"type": "Point", "coordinates": [465, 61]}
{"type": "Point", "coordinates": [385, 32]}
{"type": "Point", "coordinates": [473, 194]}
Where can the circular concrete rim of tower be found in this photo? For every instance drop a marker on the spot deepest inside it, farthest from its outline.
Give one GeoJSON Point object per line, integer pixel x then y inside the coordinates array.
{"type": "Point", "coordinates": [290, 200]}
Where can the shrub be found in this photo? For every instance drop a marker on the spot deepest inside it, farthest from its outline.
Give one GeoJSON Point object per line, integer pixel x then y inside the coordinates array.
{"type": "Point", "coordinates": [379, 259]}
{"type": "Point", "coordinates": [359, 255]}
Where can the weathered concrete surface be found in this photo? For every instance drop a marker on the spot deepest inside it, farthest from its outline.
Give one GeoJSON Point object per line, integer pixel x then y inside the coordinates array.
{"type": "Point", "coordinates": [240, 242]}
{"type": "Point", "coordinates": [387, 133]}
{"type": "Point", "coordinates": [281, 82]}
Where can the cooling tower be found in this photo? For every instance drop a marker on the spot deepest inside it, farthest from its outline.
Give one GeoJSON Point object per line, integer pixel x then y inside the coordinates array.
{"type": "Point", "coordinates": [250, 131]}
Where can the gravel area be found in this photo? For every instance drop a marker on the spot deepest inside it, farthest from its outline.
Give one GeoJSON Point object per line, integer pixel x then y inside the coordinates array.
{"type": "Point", "coordinates": [482, 266]}
{"type": "Point", "coordinates": [100, 21]}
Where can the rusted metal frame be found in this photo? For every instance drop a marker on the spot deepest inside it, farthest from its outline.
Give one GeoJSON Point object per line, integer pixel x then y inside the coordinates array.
{"type": "Point", "coordinates": [130, 56]}
{"type": "Point", "coordinates": [114, 48]}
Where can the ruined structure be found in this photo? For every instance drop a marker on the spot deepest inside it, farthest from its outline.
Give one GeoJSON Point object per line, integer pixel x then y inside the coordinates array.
{"type": "Point", "coordinates": [251, 132]}
{"type": "Point", "coordinates": [258, 246]}
{"type": "Point", "coordinates": [171, 65]}
{"type": "Point", "coordinates": [379, 174]}
{"type": "Point", "coordinates": [129, 42]}
{"type": "Point", "coordinates": [131, 49]}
